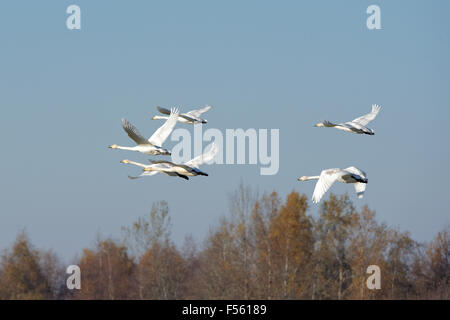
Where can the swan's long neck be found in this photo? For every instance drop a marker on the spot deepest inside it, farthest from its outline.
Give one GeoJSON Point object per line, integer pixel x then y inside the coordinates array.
{"type": "Point", "coordinates": [135, 163]}
{"type": "Point", "coordinates": [326, 124]}
{"type": "Point", "coordinates": [125, 148]}
{"type": "Point", "coordinates": [306, 178]}
{"type": "Point", "coordinates": [160, 118]}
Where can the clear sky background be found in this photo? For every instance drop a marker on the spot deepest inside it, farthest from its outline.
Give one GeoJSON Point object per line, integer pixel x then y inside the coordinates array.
{"type": "Point", "coordinates": [260, 64]}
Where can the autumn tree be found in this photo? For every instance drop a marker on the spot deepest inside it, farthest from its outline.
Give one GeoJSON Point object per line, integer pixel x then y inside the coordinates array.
{"type": "Point", "coordinates": [241, 203]}
{"type": "Point", "coordinates": [397, 273]}
{"type": "Point", "coordinates": [21, 273]}
{"type": "Point", "coordinates": [439, 264]}
{"type": "Point", "coordinates": [161, 269]}
{"type": "Point", "coordinates": [333, 272]}
{"type": "Point", "coordinates": [292, 244]}
{"type": "Point", "coordinates": [107, 272]}
{"type": "Point", "coordinates": [218, 268]}
{"type": "Point", "coordinates": [148, 230]}
{"type": "Point", "coordinates": [227, 258]}
{"type": "Point", "coordinates": [368, 245]}
{"type": "Point", "coordinates": [55, 273]}
{"type": "Point", "coordinates": [431, 268]}
{"type": "Point", "coordinates": [263, 214]}
{"type": "Point", "coordinates": [191, 286]}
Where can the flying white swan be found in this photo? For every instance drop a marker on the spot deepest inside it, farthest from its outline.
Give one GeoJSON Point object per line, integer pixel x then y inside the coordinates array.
{"type": "Point", "coordinates": [190, 117]}
{"type": "Point", "coordinates": [148, 173]}
{"type": "Point", "coordinates": [357, 125]}
{"type": "Point", "coordinates": [189, 168]}
{"type": "Point", "coordinates": [153, 145]}
{"type": "Point", "coordinates": [329, 176]}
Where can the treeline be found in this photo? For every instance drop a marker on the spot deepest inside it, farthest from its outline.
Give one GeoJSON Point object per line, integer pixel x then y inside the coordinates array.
{"type": "Point", "coordinates": [263, 249]}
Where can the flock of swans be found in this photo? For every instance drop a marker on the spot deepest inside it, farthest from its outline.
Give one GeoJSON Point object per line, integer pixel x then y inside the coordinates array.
{"type": "Point", "coordinates": [191, 117]}
{"type": "Point", "coordinates": [348, 175]}
{"type": "Point", "coordinates": [153, 146]}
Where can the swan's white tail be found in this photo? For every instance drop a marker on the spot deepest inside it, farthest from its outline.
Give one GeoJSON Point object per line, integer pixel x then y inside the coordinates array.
{"type": "Point", "coordinates": [360, 188]}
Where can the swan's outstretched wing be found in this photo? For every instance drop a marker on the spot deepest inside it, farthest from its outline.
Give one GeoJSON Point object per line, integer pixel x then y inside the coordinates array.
{"type": "Point", "coordinates": [203, 158]}
{"type": "Point", "coordinates": [152, 173]}
{"type": "Point", "coordinates": [365, 119]}
{"type": "Point", "coordinates": [165, 163]}
{"type": "Point", "coordinates": [197, 113]}
{"type": "Point", "coordinates": [165, 130]}
{"type": "Point", "coordinates": [168, 164]}
{"type": "Point", "coordinates": [359, 187]}
{"type": "Point", "coordinates": [133, 133]}
{"type": "Point", "coordinates": [356, 171]}
{"type": "Point", "coordinates": [163, 110]}
{"type": "Point", "coordinates": [143, 174]}
{"type": "Point", "coordinates": [326, 180]}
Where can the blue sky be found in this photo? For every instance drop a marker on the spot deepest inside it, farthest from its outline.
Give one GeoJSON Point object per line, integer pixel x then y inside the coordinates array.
{"type": "Point", "coordinates": [260, 64]}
